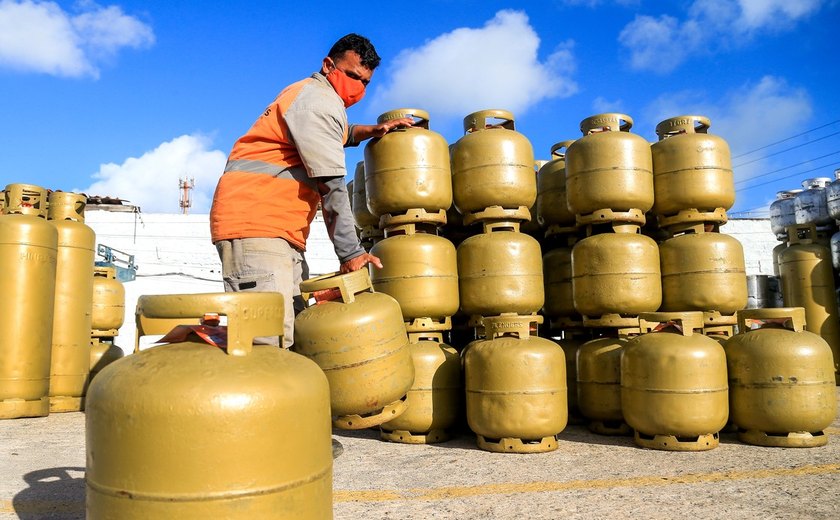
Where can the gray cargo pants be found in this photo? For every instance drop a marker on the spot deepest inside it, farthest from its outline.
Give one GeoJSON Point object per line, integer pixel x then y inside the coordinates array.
{"type": "Point", "coordinates": [270, 265]}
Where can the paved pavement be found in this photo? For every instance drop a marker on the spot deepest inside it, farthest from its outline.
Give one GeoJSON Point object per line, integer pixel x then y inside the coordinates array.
{"type": "Point", "coordinates": [589, 476]}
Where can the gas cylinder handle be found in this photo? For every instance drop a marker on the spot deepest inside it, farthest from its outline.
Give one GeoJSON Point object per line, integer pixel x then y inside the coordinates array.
{"type": "Point", "coordinates": [688, 322]}
{"type": "Point", "coordinates": [816, 183]}
{"type": "Point", "coordinates": [25, 199]}
{"type": "Point", "coordinates": [421, 116]}
{"type": "Point", "coordinates": [559, 146]}
{"type": "Point", "coordinates": [490, 226]}
{"type": "Point", "coordinates": [417, 337]}
{"type": "Point", "coordinates": [66, 206]}
{"type": "Point", "coordinates": [105, 272]}
{"type": "Point", "coordinates": [683, 125]}
{"type": "Point", "coordinates": [613, 122]}
{"type": "Point", "coordinates": [407, 228]}
{"type": "Point", "coordinates": [250, 314]}
{"type": "Point", "coordinates": [348, 284]}
{"type": "Point", "coordinates": [801, 234]}
{"type": "Point", "coordinates": [792, 318]}
{"type": "Point", "coordinates": [478, 120]}
{"type": "Point", "coordinates": [496, 326]}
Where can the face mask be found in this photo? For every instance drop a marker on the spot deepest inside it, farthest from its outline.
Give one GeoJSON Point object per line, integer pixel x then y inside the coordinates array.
{"type": "Point", "coordinates": [350, 90]}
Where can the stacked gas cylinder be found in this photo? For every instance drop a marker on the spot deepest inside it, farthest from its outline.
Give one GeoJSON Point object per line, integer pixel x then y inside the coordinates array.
{"type": "Point", "coordinates": [407, 189]}
{"type": "Point", "coordinates": [617, 277]}
{"type": "Point", "coordinates": [45, 343]}
{"type": "Point", "coordinates": [511, 405]}
{"type": "Point", "coordinates": [615, 269]}
{"type": "Point", "coordinates": [702, 269]}
{"type": "Point", "coordinates": [804, 221]}
{"type": "Point", "coordinates": [367, 225]}
{"type": "Point", "coordinates": [107, 316]}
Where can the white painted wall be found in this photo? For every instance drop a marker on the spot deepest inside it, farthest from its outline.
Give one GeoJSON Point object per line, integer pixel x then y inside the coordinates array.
{"type": "Point", "coordinates": [175, 255]}
{"type": "Point", "coordinates": [758, 241]}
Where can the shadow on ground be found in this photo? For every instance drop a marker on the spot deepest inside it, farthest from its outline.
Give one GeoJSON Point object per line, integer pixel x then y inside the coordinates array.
{"type": "Point", "coordinates": [53, 494]}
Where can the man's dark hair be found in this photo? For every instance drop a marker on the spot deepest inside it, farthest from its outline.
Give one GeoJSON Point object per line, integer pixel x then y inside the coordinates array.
{"type": "Point", "coordinates": [358, 44]}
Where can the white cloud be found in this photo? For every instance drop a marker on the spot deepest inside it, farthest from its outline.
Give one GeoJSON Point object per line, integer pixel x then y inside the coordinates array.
{"type": "Point", "coordinates": [652, 42]}
{"type": "Point", "coordinates": [151, 180]}
{"type": "Point", "coordinates": [37, 36]}
{"type": "Point", "coordinates": [752, 114]}
{"type": "Point", "coordinates": [469, 69]}
{"type": "Point", "coordinates": [601, 105]}
{"type": "Point", "coordinates": [758, 14]}
{"type": "Point", "coordinates": [661, 44]}
{"type": "Point", "coordinates": [747, 117]}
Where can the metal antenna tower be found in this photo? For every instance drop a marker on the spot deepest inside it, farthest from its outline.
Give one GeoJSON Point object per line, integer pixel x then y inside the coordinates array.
{"type": "Point", "coordinates": [185, 186]}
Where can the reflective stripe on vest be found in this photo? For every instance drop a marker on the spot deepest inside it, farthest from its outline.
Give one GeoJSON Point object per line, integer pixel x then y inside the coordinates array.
{"type": "Point", "coordinates": [252, 166]}
{"type": "Point", "coordinates": [257, 205]}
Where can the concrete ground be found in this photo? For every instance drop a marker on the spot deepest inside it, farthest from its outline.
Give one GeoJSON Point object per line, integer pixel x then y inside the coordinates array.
{"type": "Point", "coordinates": [589, 476]}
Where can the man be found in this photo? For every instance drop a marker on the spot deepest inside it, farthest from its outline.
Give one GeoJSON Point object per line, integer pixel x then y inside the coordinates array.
{"type": "Point", "coordinates": [289, 162]}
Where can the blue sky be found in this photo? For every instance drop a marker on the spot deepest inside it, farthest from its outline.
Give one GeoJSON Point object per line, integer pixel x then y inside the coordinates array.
{"type": "Point", "coordinates": [124, 98]}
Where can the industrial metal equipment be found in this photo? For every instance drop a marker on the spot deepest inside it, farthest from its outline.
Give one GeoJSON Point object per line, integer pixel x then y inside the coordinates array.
{"type": "Point", "coordinates": [209, 425]}
{"type": "Point", "coordinates": [358, 338]}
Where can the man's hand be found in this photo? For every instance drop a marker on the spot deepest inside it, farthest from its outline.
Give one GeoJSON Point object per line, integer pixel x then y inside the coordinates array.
{"type": "Point", "coordinates": [354, 264]}
{"type": "Point", "coordinates": [383, 128]}
{"type": "Point", "coordinates": [363, 132]}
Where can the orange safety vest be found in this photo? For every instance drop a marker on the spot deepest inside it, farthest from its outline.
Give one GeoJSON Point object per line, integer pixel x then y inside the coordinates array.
{"type": "Point", "coordinates": [264, 191]}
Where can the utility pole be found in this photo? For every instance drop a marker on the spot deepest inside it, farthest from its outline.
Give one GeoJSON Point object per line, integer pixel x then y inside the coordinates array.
{"type": "Point", "coordinates": [185, 186]}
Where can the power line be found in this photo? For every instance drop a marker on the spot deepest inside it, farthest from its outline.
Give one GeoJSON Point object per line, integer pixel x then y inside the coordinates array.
{"type": "Point", "coordinates": [787, 149]}
{"type": "Point", "coordinates": [765, 207]}
{"type": "Point", "coordinates": [786, 139]}
{"type": "Point", "coordinates": [787, 167]}
{"type": "Point", "coordinates": [788, 176]}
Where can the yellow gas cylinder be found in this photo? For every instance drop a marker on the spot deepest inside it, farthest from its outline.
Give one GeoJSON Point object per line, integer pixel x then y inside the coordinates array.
{"type": "Point", "coordinates": [609, 169]}
{"type": "Point", "coordinates": [102, 354]}
{"type": "Point", "coordinates": [70, 363]}
{"type": "Point", "coordinates": [599, 382]}
{"type": "Point", "coordinates": [191, 430]}
{"type": "Point", "coordinates": [358, 338]}
{"type": "Point", "coordinates": [420, 271]}
{"type": "Point", "coordinates": [552, 209]}
{"type": "Point", "coordinates": [703, 270]}
{"type": "Point", "coordinates": [616, 273]}
{"type": "Point", "coordinates": [516, 387]}
{"type": "Point", "coordinates": [408, 168]}
{"type": "Point", "coordinates": [366, 221]}
{"type": "Point", "coordinates": [807, 280]}
{"type": "Point", "coordinates": [719, 333]}
{"type": "Point", "coordinates": [674, 391]}
{"type": "Point", "coordinates": [823, 236]}
{"type": "Point", "coordinates": [776, 252]}
{"type": "Point", "coordinates": [435, 398]}
{"type": "Point", "coordinates": [108, 312]}
{"type": "Point", "coordinates": [530, 226]}
{"type": "Point", "coordinates": [557, 278]}
{"type": "Point", "coordinates": [492, 164]}
{"type": "Point", "coordinates": [28, 245]}
{"type": "Point", "coordinates": [781, 380]}
{"type": "Point", "coordinates": [500, 271]}
{"type": "Point", "coordinates": [571, 341]}
{"type": "Point", "coordinates": [692, 169]}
